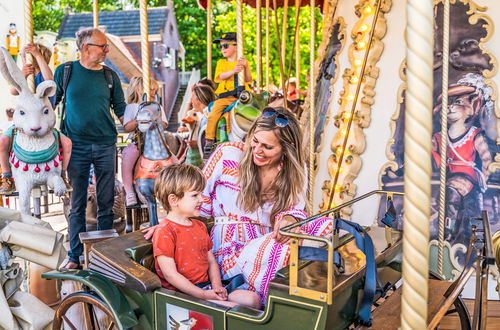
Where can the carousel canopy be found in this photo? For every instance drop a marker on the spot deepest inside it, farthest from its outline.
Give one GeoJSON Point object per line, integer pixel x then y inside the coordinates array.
{"type": "Point", "coordinates": [279, 3]}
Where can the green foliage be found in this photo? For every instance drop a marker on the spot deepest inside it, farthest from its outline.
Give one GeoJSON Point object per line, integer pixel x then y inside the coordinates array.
{"type": "Point", "coordinates": [191, 21]}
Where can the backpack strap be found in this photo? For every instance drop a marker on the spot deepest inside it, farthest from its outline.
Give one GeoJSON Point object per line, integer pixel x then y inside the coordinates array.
{"type": "Point", "coordinates": [66, 75]}
{"type": "Point", "coordinates": [108, 74]}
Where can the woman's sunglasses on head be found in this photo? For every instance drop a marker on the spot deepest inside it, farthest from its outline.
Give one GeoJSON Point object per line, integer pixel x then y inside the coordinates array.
{"type": "Point", "coordinates": [280, 120]}
{"type": "Point", "coordinates": [225, 45]}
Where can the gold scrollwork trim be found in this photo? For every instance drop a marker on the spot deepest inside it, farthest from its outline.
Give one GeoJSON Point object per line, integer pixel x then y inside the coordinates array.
{"type": "Point", "coordinates": [357, 98]}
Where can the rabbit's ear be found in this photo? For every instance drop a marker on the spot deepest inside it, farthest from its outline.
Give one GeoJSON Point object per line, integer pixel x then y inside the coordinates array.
{"type": "Point", "coordinates": [46, 89]}
{"type": "Point", "coordinates": [11, 72]}
{"type": "Point", "coordinates": [144, 97]}
{"type": "Point", "coordinates": [157, 98]}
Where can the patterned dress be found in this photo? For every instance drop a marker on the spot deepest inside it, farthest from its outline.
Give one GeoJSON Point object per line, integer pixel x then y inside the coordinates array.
{"type": "Point", "coordinates": [242, 248]}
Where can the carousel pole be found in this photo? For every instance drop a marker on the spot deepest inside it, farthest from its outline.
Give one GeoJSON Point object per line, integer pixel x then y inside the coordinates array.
{"type": "Point", "coordinates": [209, 39]}
{"type": "Point", "coordinates": [280, 57]}
{"type": "Point", "coordinates": [312, 106]}
{"type": "Point", "coordinates": [444, 133]}
{"type": "Point", "coordinates": [417, 163]}
{"type": "Point", "coordinates": [239, 38]}
{"type": "Point", "coordinates": [143, 8]}
{"type": "Point", "coordinates": [297, 43]}
{"type": "Point", "coordinates": [267, 45]}
{"type": "Point", "coordinates": [95, 9]}
{"type": "Point", "coordinates": [28, 28]}
{"type": "Point", "coordinates": [259, 44]}
{"type": "Point", "coordinates": [284, 31]}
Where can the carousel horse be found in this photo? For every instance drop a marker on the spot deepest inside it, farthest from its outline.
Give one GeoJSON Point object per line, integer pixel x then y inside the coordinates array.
{"type": "Point", "coordinates": [156, 153]}
{"type": "Point", "coordinates": [35, 152]}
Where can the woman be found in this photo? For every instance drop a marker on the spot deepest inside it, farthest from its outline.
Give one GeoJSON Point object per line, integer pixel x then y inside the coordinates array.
{"type": "Point", "coordinates": [254, 189]}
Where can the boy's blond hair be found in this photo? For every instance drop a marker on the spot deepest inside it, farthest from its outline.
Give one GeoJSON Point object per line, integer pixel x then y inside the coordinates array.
{"type": "Point", "coordinates": [177, 180]}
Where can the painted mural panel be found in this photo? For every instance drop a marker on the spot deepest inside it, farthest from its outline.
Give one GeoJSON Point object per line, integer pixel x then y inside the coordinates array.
{"type": "Point", "coordinates": [472, 176]}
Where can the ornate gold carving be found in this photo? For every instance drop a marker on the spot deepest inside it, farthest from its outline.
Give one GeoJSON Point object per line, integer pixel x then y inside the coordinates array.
{"type": "Point", "coordinates": [356, 101]}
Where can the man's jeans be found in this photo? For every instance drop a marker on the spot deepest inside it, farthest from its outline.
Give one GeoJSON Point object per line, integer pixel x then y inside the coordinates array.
{"type": "Point", "coordinates": [103, 158]}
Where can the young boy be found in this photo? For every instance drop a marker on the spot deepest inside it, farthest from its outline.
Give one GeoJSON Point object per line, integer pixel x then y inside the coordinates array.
{"type": "Point", "coordinates": [181, 245]}
{"type": "Point", "coordinates": [226, 75]}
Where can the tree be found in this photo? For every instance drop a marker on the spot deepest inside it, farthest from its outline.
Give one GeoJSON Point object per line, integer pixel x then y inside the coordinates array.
{"type": "Point", "coordinates": [191, 21]}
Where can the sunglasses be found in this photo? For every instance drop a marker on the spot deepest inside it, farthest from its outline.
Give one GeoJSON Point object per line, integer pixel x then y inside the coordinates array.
{"type": "Point", "coordinates": [280, 120]}
{"type": "Point", "coordinates": [225, 46]}
{"type": "Point", "coordinates": [104, 47]}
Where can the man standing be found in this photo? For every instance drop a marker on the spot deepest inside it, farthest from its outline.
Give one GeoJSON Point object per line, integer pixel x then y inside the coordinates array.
{"type": "Point", "coordinates": [89, 95]}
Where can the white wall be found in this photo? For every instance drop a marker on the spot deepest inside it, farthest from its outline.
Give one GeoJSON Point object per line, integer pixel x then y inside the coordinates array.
{"type": "Point", "coordinates": [378, 133]}
{"type": "Point", "coordinates": [10, 12]}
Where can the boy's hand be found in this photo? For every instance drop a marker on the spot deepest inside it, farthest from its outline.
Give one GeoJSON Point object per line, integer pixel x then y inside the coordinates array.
{"type": "Point", "coordinates": [239, 68]}
{"type": "Point", "coordinates": [28, 69]}
{"type": "Point", "coordinates": [211, 295]}
{"type": "Point", "coordinates": [243, 61]}
{"type": "Point", "coordinates": [221, 292]}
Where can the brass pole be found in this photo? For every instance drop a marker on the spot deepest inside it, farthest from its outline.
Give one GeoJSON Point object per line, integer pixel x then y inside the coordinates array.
{"type": "Point", "coordinates": [312, 106]}
{"type": "Point", "coordinates": [239, 37]}
{"type": "Point", "coordinates": [209, 39]}
{"type": "Point", "coordinates": [95, 15]}
{"type": "Point", "coordinates": [297, 43]}
{"type": "Point", "coordinates": [280, 58]}
{"type": "Point", "coordinates": [28, 28]}
{"type": "Point", "coordinates": [267, 45]}
{"type": "Point", "coordinates": [417, 162]}
{"type": "Point", "coordinates": [259, 44]}
{"type": "Point", "coordinates": [284, 24]}
{"type": "Point", "coordinates": [444, 132]}
{"type": "Point", "coordinates": [144, 47]}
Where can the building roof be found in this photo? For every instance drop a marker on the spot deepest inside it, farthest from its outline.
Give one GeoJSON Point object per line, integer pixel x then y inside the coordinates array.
{"type": "Point", "coordinates": [120, 23]}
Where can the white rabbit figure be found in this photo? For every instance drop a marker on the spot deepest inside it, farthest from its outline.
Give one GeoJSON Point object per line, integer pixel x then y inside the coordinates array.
{"type": "Point", "coordinates": [34, 140]}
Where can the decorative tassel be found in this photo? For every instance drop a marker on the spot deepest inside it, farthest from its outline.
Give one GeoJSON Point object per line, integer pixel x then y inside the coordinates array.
{"type": "Point", "coordinates": [47, 167]}
{"type": "Point", "coordinates": [25, 168]}
{"type": "Point", "coordinates": [56, 163]}
{"type": "Point", "coordinates": [13, 159]}
{"type": "Point", "coordinates": [60, 149]}
{"type": "Point", "coordinates": [37, 169]}
{"type": "Point", "coordinates": [60, 157]}
{"type": "Point", "coordinates": [16, 165]}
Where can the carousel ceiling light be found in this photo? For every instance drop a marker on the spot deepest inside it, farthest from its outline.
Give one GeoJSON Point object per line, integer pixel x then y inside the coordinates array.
{"type": "Point", "coordinates": [358, 62]}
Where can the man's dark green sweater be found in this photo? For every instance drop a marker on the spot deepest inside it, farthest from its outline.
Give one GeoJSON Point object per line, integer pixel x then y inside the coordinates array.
{"type": "Point", "coordinates": [89, 99]}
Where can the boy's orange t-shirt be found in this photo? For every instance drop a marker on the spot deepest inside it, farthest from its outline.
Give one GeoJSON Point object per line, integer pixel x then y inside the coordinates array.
{"type": "Point", "coordinates": [187, 245]}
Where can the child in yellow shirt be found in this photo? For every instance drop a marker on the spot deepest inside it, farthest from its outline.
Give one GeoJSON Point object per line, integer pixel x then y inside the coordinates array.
{"type": "Point", "coordinates": [226, 75]}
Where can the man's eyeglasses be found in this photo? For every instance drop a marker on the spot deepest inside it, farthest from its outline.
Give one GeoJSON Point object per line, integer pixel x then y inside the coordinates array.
{"type": "Point", "coordinates": [224, 46]}
{"type": "Point", "coordinates": [280, 120]}
{"type": "Point", "coordinates": [104, 47]}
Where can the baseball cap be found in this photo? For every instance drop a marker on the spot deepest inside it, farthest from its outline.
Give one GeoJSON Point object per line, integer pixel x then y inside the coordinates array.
{"type": "Point", "coordinates": [228, 36]}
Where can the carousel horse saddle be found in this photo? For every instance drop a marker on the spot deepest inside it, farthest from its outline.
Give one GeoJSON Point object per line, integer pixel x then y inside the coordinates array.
{"type": "Point", "coordinates": [149, 169]}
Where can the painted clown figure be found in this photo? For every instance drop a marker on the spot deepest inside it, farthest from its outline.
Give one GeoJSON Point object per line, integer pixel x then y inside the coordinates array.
{"type": "Point", "coordinates": [467, 154]}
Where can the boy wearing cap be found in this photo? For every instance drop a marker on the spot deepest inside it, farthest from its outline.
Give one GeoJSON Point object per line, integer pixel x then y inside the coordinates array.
{"type": "Point", "coordinates": [226, 75]}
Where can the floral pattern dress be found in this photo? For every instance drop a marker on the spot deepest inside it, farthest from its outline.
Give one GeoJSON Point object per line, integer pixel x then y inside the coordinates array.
{"type": "Point", "coordinates": [246, 247]}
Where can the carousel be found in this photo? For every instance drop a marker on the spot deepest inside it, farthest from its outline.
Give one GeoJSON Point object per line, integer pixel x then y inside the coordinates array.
{"type": "Point", "coordinates": [410, 181]}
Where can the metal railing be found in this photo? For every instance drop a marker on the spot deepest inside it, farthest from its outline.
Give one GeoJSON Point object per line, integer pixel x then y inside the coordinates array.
{"type": "Point", "coordinates": [330, 244]}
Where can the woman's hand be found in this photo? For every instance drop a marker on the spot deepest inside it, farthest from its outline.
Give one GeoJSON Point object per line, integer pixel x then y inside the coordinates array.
{"type": "Point", "coordinates": [148, 232]}
{"type": "Point", "coordinates": [285, 221]}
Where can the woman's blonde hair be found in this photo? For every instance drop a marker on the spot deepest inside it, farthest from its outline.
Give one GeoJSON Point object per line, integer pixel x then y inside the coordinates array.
{"type": "Point", "coordinates": [288, 186]}
{"type": "Point", "coordinates": [135, 90]}
{"type": "Point", "coordinates": [178, 179]}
